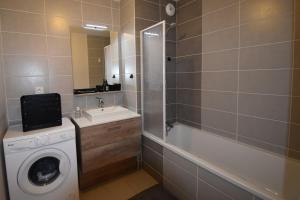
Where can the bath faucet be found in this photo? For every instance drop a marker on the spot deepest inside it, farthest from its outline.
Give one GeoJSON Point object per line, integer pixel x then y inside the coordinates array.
{"type": "Point", "coordinates": [100, 102]}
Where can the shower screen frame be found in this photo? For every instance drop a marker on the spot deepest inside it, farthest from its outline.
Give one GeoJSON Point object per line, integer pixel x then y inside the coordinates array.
{"type": "Point", "coordinates": [163, 24]}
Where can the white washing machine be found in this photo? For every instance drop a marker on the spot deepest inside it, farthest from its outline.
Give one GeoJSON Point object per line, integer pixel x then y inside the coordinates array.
{"type": "Point", "coordinates": [42, 164]}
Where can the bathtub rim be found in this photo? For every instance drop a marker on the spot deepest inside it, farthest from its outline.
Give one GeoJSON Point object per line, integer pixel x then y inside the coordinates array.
{"type": "Point", "coordinates": [235, 180]}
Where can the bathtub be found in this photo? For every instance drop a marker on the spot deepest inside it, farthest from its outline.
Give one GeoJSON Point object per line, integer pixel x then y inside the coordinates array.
{"type": "Point", "coordinates": [265, 175]}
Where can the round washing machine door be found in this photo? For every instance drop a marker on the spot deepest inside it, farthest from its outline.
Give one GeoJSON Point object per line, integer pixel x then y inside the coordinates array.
{"type": "Point", "coordinates": [43, 171]}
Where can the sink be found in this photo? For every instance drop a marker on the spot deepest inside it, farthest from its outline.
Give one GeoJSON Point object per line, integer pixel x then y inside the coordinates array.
{"type": "Point", "coordinates": [101, 113]}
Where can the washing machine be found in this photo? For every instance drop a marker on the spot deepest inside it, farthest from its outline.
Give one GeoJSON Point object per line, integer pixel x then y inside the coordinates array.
{"type": "Point", "coordinates": [42, 164]}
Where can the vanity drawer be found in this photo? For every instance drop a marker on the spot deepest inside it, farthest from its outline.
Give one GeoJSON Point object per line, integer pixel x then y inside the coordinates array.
{"type": "Point", "coordinates": [104, 155]}
{"type": "Point", "coordinates": [100, 135]}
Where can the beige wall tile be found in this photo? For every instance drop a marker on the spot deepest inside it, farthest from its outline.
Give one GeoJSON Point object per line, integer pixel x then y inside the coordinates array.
{"type": "Point", "coordinates": [116, 17]}
{"type": "Point", "coordinates": [15, 43]}
{"type": "Point", "coordinates": [25, 5]}
{"type": "Point", "coordinates": [59, 26]}
{"type": "Point", "coordinates": [60, 66]}
{"type": "Point", "coordinates": [61, 84]}
{"type": "Point", "coordinates": [68, 9]}
{"type": "Point", "coordinates": [100, 2]}
{"type": "Point", "coordinates": [96, 14]}
{"type": "Point", "coordinates": [17, 65]}
{"type": "Point", "coordinates": [22, 22]}
{"type": "Point", "coordinates": [18, 86]}
{"type": "Point", "coordinates": [59, 46]}
{"type": "Point", "coordinates": [14, 109]}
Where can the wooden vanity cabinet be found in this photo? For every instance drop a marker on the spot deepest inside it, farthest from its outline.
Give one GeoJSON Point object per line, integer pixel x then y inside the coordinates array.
{"type": "Point", "coordinates": [107, 150]}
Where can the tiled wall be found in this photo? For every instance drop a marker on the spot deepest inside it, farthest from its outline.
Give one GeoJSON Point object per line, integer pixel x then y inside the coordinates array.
{"type": "Point", "coordinates": [3, 125]}
{"type": "Point", "coordinates": [234, 61]}
{"type": "Point", "coordinates": [148, 13]}
{"type": "Point", "coordinates": [36, 45]}
{"type": "Point", "coordinates": [294, 138]}
{"type": "Point", "coordinates": [128, 49]}
{"type": "Point", "coordinates": [184, 179]}
{"type": "Point", "coordinates": [188, 62]}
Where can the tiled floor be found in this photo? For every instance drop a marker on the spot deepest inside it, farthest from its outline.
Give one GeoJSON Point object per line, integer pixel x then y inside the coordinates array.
{"type": "Point", "coordinates": [120, 189]}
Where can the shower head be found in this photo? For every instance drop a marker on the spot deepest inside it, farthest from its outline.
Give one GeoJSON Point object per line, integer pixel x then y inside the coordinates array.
{"type": "Point", "coordinates": [172, 25]}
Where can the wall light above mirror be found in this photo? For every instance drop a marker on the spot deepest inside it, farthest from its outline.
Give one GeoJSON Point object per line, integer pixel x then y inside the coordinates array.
{"type": "Point", "coordinates": [95, 58]}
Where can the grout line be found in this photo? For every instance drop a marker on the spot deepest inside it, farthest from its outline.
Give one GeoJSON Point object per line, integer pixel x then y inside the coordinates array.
{"type": "Point", "coordinates": [238, 73]}
{"type": "Point", "coordinates": [233, 70]}
{"type": "Point", "coordinates": [233, 92]}
{"type": "Point", "coordinates": [47, 49]}
{"type": "Point", "coordinates": [244, 47]}
{"type": "Point", "coordinates": [3, 72]}
{"type": "Point", "coordinates": [292, 77]}
{"type": "Point", "coordinates": [234, 113]}
{"type": "Point", "coordinates": [21, 11]}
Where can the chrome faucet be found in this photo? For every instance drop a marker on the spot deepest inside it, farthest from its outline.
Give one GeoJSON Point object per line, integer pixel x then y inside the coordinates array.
{"type": "Point", "coordinates": [100, 102]}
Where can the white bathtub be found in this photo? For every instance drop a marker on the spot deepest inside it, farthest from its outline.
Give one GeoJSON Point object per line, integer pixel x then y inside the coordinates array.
{"type": "Point", "coordinates": [263, 174]}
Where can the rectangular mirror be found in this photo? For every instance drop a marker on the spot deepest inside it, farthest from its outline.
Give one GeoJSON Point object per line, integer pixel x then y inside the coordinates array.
{"type": "Point", "coordinates": [95, 58]}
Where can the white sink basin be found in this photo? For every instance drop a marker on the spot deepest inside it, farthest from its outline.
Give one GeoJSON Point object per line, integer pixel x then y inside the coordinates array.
{"type": "Point", "coordinates": [101, 113]}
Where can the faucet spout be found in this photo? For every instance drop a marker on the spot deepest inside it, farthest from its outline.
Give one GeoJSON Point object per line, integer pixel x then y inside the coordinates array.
{"type": "Point", "coordinates": [100, 102]}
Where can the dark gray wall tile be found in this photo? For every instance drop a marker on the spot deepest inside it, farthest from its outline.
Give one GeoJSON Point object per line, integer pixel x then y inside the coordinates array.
{"type": "Point", "coordinates": [268, 131]}
{"type": "Point", "coordinates": [265, 81]}
{"type": "Point", "coordinates": [266, 57]}
{"type": "Point", "coordinates": [219, 120]}
{"type": "Point", "coordinates": [225, 81]}
{"type": "Point", "coordinates": [222, 185]}
{"type": "Point", "coordinates": [185, 182]}
{"type": "Point", "coordinates": [153, 159]}
{"type": "Point", "coordinates": [180, 161]}
{"type": "Point", "coordinates": [265, 106]}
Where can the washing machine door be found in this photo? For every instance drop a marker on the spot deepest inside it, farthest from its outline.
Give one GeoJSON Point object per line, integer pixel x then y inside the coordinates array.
{"type": "Point", "coordinates": [43, 171]}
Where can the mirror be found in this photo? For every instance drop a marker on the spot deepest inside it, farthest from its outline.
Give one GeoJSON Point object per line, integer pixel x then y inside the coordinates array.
{"type": "Point", "coordinates": [95, 58]}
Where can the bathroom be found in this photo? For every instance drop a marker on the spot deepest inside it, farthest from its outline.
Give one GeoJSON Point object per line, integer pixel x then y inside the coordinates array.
{"type": "Point", "coordinates": [201, 98]}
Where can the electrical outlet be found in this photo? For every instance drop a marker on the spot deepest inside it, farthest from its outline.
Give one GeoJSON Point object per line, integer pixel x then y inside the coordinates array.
{"type": "Point", "coordinates": [39, 90]}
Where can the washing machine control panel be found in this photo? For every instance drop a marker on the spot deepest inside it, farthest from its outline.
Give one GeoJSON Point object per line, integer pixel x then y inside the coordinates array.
{"type": "Point", "coordinates": [38, 141]}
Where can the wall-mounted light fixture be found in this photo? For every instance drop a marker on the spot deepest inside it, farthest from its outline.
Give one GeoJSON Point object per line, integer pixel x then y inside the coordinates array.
{"type": "Point", "coordinates": [151, 34]}
{"type": "Point", "coordinates": [95, 27]}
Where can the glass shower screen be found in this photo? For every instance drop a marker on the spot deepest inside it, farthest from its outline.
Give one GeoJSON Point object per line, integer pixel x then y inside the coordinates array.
{"type": "Point", "coordinates": [153, 79]}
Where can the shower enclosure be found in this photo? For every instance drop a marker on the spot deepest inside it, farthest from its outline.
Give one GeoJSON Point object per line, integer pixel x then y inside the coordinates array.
{"type": "Point", "coordinates": [153, 79]}
{"type": "Point", "coordinates": [205, 155]}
